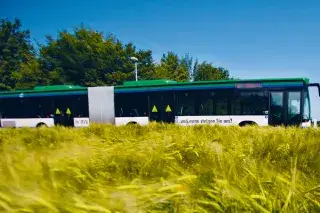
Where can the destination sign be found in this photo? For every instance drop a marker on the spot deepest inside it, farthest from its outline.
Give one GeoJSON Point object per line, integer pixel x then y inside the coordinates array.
{"type": "Point", "coordinates": [248, 85]}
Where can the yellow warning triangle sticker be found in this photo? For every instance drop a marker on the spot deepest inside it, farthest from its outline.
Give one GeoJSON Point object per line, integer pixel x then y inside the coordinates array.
{"type": "Point", "coordinates": [154, 109]}
{"type": "Point", "coordinates": [58, 111]}
{"type": "Point", "coordinates": [68, 112]}
{"type": "Point", "coordinates": [168, 109]}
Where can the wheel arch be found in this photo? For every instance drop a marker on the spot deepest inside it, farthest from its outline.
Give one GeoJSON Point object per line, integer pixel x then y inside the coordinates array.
{"type": "Point", "coordinates": [247, 123]}
{"type": "Point", "coordinates": [41, 124]}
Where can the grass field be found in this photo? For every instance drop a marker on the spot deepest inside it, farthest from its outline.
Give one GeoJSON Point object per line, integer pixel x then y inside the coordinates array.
{"type": "Point", "coordinates": [160, 168]}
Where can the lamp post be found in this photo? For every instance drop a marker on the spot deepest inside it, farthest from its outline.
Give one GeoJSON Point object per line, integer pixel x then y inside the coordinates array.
{"type": "Point", "coordinates": [136, 66]}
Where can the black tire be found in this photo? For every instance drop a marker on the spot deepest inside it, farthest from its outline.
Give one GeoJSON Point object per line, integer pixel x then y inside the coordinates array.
{"type": "Point", "coordinates": [248, 123]}
{"type": "Point", "coordinates": [132, 123]}
{"type": "Point", "coordinates": [41, 125]}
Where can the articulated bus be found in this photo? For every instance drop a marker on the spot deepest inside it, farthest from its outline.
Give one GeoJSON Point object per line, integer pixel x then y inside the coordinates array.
{"type": "Point", "coordinates": [225, 102]}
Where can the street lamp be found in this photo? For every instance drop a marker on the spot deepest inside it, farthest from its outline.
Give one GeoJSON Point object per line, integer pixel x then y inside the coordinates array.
{"type": "Point", "coordinates": [136, 66]}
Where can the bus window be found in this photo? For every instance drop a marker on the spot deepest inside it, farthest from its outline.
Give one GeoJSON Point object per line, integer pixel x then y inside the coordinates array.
{"type": "Point", "coordinates": [221, 106]}
{"type": "Point", "coordinates": [1, 109]}
{"type": "Point", "coordinates": [15, 108]}
{"type": "Point", "coordinates": [128, 105]}
{"type": "Point", "coordinates": [185, 103]}
{"type": "Point", "coordinates": [221, 102]}
{"type": "Point", "coordinates": [206, 107]}
{"type": "Point", "coordinates": [213, 102]}
{"type": "Point", "coordinates": [80, 106]}
{"type": "Point", "coordinates": [29, 108]}
{"type": "Point", "coordinates": [276, 108]}
{"type": "Point", "coordinates": [206, 103]}
{"type": "Point", "coordinates": [236, 105]}
{"type": "Point", "coordinates": [253, 103]}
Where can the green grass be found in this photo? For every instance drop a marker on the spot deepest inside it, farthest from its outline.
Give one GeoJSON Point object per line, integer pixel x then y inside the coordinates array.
{"type": "Point", "coordinates": [160, 168]}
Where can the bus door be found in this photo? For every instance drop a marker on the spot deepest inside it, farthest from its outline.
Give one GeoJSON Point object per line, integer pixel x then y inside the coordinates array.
{"type": "Point", "coordinates": [294, 108]}
{"type": "Point", "coordinates": [276, 109]}
{"type": "Point", "coordinates": [285, 108]}
{"type": "Point", "coordinates": [63, 116]}
{"type": "Point", "coordinates": [161, 107]}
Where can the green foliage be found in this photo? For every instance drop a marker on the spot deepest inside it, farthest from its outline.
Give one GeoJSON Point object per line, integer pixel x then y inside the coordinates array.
{"type": "Point", "coordinates": [206, 71]}
{"type": "Point", "coordinates": [86, 57]}
{"type": "Point", "coordinates": [160, 168]}
{"type": "Point", "coordinates": [18, 65]}
{"type": "Point", "coordinates": [172, 67]}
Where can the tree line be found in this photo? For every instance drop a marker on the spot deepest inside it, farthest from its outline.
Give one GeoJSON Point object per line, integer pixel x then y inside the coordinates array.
{"type": "Point", "coordinates": [86, 57]}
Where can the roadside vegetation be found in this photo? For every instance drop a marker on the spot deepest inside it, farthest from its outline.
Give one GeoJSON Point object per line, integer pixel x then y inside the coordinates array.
{"type": "Point", "coordinates": [160, 168]}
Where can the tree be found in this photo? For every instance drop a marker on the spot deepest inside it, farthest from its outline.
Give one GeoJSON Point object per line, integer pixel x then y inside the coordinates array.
{"type": "Point", "coordinates": [187, 63]}
{"type": "Point", "coordinates": [87, 58]}
{"type": "Point", "coordinates": [206, 71]}
{"type": "Point", "coordinates": [18, 65]}
{"type": "Point", "coordinates": [173, 68]}
{"type": "Point", "coordinates": [29, 75]}
{"type": "Point", "coordinates": [146, 66]}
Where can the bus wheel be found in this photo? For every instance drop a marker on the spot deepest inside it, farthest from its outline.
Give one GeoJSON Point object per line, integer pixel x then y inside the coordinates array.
{"type": "Point", "coordinates": [41, 125]}
{"type": "Point", "coordinates": [248, 123]}
{"type": "Point", "coordinates": [132, 123]}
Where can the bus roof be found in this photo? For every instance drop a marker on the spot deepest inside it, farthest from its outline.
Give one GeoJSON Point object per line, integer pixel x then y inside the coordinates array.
{"type": "Point", "coordinates": [160, 83]}
{"type": "Point", "coordinates": [164, 82]}
{"type": "Point", "coordinates": [50, 89]}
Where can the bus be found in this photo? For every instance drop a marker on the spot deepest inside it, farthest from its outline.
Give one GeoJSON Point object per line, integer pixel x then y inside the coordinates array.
{"type": "Point", "coordinates": [262, 102]}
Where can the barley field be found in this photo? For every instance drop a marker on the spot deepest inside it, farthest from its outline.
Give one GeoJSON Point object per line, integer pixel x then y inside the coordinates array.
{"type": "Point", "coordinates": [160, 168]}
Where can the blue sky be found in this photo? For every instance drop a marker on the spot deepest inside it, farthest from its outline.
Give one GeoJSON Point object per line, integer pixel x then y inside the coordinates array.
{"type": "Point", "coordinates": [253, 39]}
